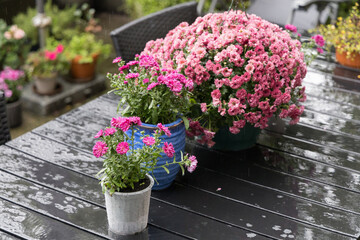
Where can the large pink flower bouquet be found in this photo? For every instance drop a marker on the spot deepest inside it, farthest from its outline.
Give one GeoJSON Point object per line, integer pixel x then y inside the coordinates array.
{"type": "Point", "coordinates": [246, 70]}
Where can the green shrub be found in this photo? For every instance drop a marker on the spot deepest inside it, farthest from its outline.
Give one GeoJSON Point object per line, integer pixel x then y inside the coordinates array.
{"type": "Point", "coordinates": [65, 23]}
{"type": "Point", "coordinates": [139, 8]}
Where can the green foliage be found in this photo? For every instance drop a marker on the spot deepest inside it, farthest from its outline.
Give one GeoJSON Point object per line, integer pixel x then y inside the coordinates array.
{"type": "Point", "coordinates": [139, 8]}
{"type": "Point", "coordinates": [65, 23]}
{"type": "Point", "coordinates": [86, 45]}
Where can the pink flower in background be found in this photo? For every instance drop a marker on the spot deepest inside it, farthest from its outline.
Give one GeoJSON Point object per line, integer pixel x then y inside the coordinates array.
{"type": "Point", "coordinates": [319, 40]}
{"type": "Point", "coordinates": [50, 55]}
{"type": "Point", "coordinates": [122, 148]}
{"type": "Point", "coordinates": [169, 149]}
{"type": "Point", "coordinates": [99, 134]}
{"type": "Point", "coordinates": [59, 48]}
{"type": "Point", "coordinates": [203, 107]}
{"type": "Point", "coordinates": [320, 50]}
{"type": "Point", "coordinates": [149, 141]}
{"type": "Point", "coordinates": [99, 149]}
{"type": "Point", "coordinates": [193, 164]}
{"type": "Point", "coordinates": [291, 28]}
{"type": "Point", "coordinates": [109, 131]}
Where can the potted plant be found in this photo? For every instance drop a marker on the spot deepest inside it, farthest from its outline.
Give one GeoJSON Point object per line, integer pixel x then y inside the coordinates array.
{"type": "Point", "coordinates": [344, 35]}
{"type": "Point", "coordinates": [124, 177]}
{"type": "Point", "coordinates": [83, 51]}
{"type": "Point", "coordinates": [155, 95]}
{"type": "Point", "coordinates": [13, 47]}
{"type": "Point", "coordinates": [44, 66]}
{"type": "Point", "coordinates": [11, 83]}
{"type": "Point", "coordinates": [245, 71]}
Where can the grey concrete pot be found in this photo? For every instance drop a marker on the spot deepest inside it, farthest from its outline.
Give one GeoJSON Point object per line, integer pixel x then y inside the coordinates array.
{"type": "Point", "coordinates": [128, 212]}
{"type": "Point", "coordinates": [14, 113]}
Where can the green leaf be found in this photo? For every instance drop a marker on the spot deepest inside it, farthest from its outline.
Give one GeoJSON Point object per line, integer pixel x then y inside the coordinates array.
{"type": "Point", "coordinates": [166, 170]}
{"type": "Point", "coordinates": [186, 122]}
{"type": "Point", "coordinates": [152, 104]}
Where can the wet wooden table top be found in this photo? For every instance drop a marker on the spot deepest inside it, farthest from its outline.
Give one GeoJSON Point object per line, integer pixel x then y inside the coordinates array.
{"type": "Point", "coordinates": [299, 182]}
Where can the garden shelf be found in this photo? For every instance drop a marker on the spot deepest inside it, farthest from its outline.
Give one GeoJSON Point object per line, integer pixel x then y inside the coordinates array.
{"type": "Point", "coordinates": [67, 93]}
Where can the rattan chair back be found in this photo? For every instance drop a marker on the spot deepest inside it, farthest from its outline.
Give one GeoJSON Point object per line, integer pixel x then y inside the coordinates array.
{"type": "Point", "coordinates": [131, 38]}
{"type": "Point", "coordinates": [4, 127]}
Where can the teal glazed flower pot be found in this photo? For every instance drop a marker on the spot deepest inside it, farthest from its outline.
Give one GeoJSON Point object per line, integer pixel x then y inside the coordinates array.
{"type": "Point", "coordinates": [226, 141]}
{"type": "Point", "coordinates": [177, 138]}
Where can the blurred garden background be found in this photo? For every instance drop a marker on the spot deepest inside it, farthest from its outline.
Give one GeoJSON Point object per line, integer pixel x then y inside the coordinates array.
{"type": "Point", "coordinates": [71, 19]}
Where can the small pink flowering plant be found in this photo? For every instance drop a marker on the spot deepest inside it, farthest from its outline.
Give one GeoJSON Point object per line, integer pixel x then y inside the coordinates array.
{"type": "Point", "coordinates": [126, 161]}
{"type": "Point", "coordinates": [245, 70]}
{"type": "Point", "coordinates": [13, 47]}
{"type": "Point", "coordinates": [47, 62]}
{"type": "Point", "coordinates": [153, 94]}
{"type": "Point", "coordinates": [11, 82]}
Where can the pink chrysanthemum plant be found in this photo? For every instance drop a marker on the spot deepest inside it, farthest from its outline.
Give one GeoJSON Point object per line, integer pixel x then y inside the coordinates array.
{"type": "Point", "coordinates": [153, 94]}
{"type": "Point", "coordinates": [126, 162]}
{"type": "Point", "coordinates": [245, 71]}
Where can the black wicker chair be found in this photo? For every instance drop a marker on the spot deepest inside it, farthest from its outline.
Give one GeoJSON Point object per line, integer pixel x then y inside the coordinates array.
{"type": "Point", "coordinates": [4, 127]}
{"type": "Point", "coordinates": [131, 38]}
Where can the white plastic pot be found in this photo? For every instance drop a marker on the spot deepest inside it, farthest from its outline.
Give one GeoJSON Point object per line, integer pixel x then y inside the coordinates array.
{"type": "Point", "coordinates": [128, 212]}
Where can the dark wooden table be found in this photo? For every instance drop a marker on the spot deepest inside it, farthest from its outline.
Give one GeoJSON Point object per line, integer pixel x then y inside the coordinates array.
{"type": "Point", "coordinates": [299, 182]}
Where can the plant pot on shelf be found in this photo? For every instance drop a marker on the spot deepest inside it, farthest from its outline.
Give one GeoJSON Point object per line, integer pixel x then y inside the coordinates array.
{"type": "Point", "coordinates": [226, 141]}
{"type": "Point", "coordinates": [177, 138]}
{"type": "Point", "coordinates": [46, 85]}
{"type": "Point", "coordinates": [128, 212]}
{"type": "Point", "coordinates": [14, 113]}
{"type": "Point", "coordinates": [83, 72]}
{"type": "Point", "coordinates": [353, 61]}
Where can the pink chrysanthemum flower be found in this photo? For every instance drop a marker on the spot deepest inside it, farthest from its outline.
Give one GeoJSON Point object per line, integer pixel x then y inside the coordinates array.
{"type": "Point", "coordinates": [291, 28]}
{"type": "Point", "coordinates": [132, 75]}
{"type": "Point", "coordinates": [164, 129]}
{"type": "Point", "coordinates": [135, 121]}
{"type": "Point", "coordinates": [99, 149]}
{"type": "Point", "coordinates": [203, 107]}
{"type": "Point", "coordinates": [193, 164]}
{"type": "Point", "coordinates": [152, 85]}
{"type": "Point", "coordinates": [117, 60]}
{"type": "Point", "coordinates": [99, 134]}
{"type": "Point", "coordinates": [149, 141]}
{"type": "Point", "coordinates": [122, 148]}
{"type": "Point", "coordinates": [109, 131]}
{"type": "Point", "coordinates": [169, 149]}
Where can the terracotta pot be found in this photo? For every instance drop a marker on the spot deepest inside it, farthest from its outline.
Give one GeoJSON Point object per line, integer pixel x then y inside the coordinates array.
{"type": "Point", "coordinates": [45, 85]}
{"type": "Point", "coordinates": [353, 62]}
{"type": "Point", "coordinates": [83, 72]}
{"type": "Point", "coordinates": [14, 113]}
